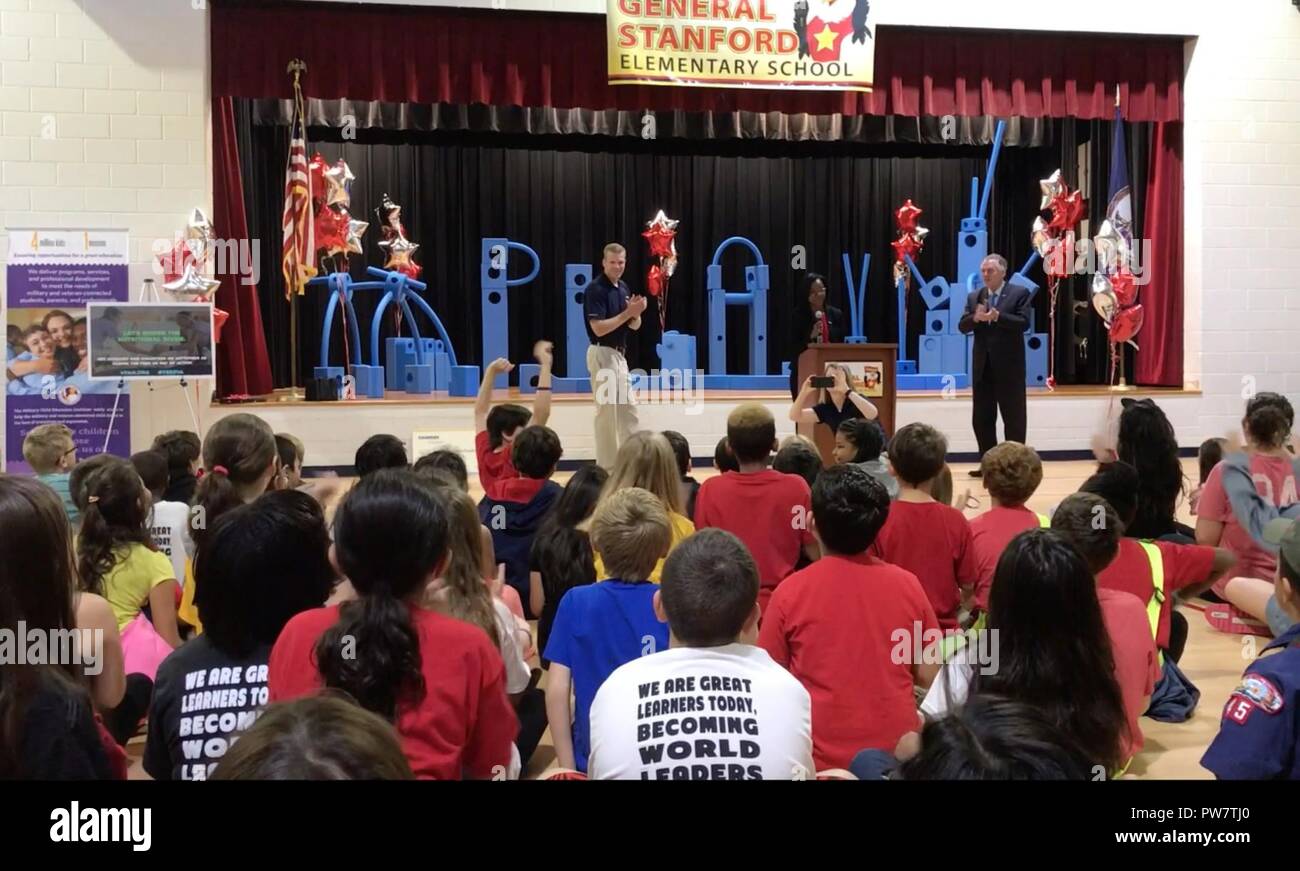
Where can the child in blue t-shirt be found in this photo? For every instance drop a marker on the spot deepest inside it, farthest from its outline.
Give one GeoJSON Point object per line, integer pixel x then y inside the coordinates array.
{"type": "Point", "coordinates": [602, 626]}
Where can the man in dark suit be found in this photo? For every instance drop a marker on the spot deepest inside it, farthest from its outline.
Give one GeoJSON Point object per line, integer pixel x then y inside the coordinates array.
{"type": "Point", "coordinates": [997, 314]}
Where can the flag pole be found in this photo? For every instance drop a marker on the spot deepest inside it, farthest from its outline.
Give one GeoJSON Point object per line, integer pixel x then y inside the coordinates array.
{"type": "Point", "coordinates": [296, 67]}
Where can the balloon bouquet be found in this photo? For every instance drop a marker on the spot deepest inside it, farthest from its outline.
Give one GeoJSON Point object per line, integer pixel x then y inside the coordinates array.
{"type": "Point", "coordinates": [183, 268]}
{"type": "Point", "coordinates": [910, 241]}
{"type": "Point", "coordinates": [1114, 290]}
{"type": "Point", "coordinates": [661, 233]}
{"type": "Point", "coordinates": [336, 233]}
{"type": "Point", "coordinates": [1053, 239]}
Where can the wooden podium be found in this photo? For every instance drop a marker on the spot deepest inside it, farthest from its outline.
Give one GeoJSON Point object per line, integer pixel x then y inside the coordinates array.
{"type": "Point", "coordinates": [861, 359]}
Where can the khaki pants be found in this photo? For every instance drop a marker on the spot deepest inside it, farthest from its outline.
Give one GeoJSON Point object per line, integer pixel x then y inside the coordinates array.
{"type": "Point", "coordinates": [616, 417]}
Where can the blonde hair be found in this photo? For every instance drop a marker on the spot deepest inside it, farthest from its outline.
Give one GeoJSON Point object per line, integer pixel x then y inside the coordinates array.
{"type": "Point", "coordinates": [613, 248]}
{"type": "Point", "coordinates": [646, 460]}
{"type": "Point", "coordinates": [796, 439]}
{"type": "Point", "coordinates": [463, 593]}
{"type": "Point", "coordinates": [45, 445]}
{"type": "Point", "coordinates": [631, 532]}
{"type": "Point", "coordinates": [848, 381]}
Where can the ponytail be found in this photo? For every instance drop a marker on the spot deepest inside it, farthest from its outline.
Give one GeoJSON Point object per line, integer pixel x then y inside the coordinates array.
{"type": "Point", "coordinates": [237, 452]}
{"type": "Point", "coordinates": [114, 516]}
{"type": "Point", "coordinates": [390, 539]}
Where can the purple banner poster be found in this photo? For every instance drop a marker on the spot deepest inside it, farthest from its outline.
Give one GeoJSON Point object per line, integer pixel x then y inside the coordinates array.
{"type": "Point", "coordinates": [88, 419]}
{"type": "Point", "coordinates": [51, 275]}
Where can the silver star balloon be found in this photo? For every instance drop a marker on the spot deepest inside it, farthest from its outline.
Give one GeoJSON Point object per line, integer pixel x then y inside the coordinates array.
{"type": "Point", "coordinates": [1051, 187]}
{"type": "Point", "coordinates": [920, 233]}
{"type": "Point", "coordinates": [356, 229]}
{"type": "Point", "coordinates": [338, 180]}
{"type": "Point", "coordinates": [1111, 246]}
{"type": "Point", "coordinates": [661, 218]}
{"type": "Point", "coordinates": [199, 236]}
{"type": "Point", "coordinates": [192, 283]}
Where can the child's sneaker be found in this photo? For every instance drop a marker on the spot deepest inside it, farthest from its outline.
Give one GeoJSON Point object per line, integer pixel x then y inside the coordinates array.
{"type": "Point", "coordinates": [1226, 618]}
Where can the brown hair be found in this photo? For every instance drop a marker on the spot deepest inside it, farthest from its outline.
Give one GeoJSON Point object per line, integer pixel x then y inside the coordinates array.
{"type": "Point", "coordinates": [1011, 472]}
{"type": "Point", "coordinates": [917, 453]}
{"type": "Point", "coordinates": [237, 452]}
{"type": "Point", "coordinates": [751, 432]}
{"type": "Point", "coordinates": [1091, 524]}
{"type": "Point", "coordinates": [45, 445]}
{"type": "Point", "coordinates": [630, 531]}
{"type": "Point", "coordinates": [115, 517]}
{"type": "Point", "coordinates": [463, 594]}
{"type": "Point", "coordinates": [320, 737]}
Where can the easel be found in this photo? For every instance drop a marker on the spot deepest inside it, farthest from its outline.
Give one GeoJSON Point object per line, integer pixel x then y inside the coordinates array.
{"type": "Point", "coordinates": [148, 293]}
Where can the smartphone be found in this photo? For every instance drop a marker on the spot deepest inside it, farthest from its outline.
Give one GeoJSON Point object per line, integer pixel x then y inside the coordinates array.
{"type": "Point", "coordinates": [822, 382]}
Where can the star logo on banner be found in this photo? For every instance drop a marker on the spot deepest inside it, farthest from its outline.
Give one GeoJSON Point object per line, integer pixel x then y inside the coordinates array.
{"type": "Point", "coordinates": [826, 38]}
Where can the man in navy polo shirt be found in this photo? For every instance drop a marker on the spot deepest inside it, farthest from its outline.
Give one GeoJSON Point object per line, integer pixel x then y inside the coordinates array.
{"type": "Point", "coordinates": [612, 312]}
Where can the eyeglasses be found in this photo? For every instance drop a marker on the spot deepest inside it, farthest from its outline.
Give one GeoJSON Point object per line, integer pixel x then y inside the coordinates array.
{"type": "Point", "coordinates": [71, 450]}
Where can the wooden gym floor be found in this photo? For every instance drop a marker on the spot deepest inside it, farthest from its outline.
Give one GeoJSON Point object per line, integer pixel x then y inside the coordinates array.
{"type": "Point", "coordinates": [1214, 661]}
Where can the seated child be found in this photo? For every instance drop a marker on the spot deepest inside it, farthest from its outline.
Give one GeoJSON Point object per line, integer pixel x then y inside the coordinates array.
{"type": "Point", "coordinates": [168, 522]}
{"type": "Point", "coordinates": [601, 626]}
{"type": "Point", "coordinates": [839, 624]}
{"type": "Point", "coordinates": [766, 509]}
{"type": "Point", "coordinates": [709, 598]}
{"type": "Point", "coordinates": [861, 441]}
{"type": "Point", "coordinates": [930, 539]}
{"type": "Point", "coordinates": [380, 452]}
{"type": "Point", "coordinates": [183, 450]}
{"type": "Point", "coordinates": [1258, 736]}
{"type": "Point", "coordinates": [798, 456]}
{"type": "Point", "coordinates": [723, 459]}
{"type": "Point", "coordinates": [689, 486]}
{"type": "Point", "coordinates": [1011, 472]}
{"type": "Point", "coordinates": [1208, 455]}
{"type": "Point", "coordinates": [495, 429]}
{"type": "Point", "coordinates": [51, 452]}
{"type": "Point", "coordinates": [521, 502]}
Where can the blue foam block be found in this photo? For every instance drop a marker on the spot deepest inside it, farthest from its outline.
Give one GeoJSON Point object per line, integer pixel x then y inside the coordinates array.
{"type": "Point", "coordinates": [441, 371]}
{"type": "Point", "coordinates": [464, 381]}
{"type": "Point", "coordinates": [399, 352]}
{"type": "Point", "coordinates": [570, 385]}
{"type": "Point", "coordinates": [369, 381]}
{"type": "Point", "coordinates": [905, 367]}
{"type": "Point", "coordinates": [855, 340]}
{"type": "Point", "coordinates": [972, 246]}
{"type": "Point", "coordinates": [328, 372]}
{"type": "Point", "coordinates": [676, 351]}
{"type": "Point", "coordinates": [953, 353]}
{"type": "Point", "coordinates": [785, 368]}
{"type": "Point", "coordinates": [935, 292]}
{"type": "Point", "coordinates": [528, 373]}
{"type": "Point", "coordinates": [930, 355]}
{"type": "Point", "coordinates": [956, 308]}
{"type": "Point", "coordinates": [419, 379]}
{"type": "Point", "coordinates": [920, 382]}
{"type": "Point", "coordinates": [576, 342]}
{"type": "Point", "coordinates": [936, 322]}
{"type": "Point", "coordinates": [1036, 359]}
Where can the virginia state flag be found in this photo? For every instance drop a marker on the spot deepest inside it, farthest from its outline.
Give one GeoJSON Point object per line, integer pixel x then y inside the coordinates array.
{"type": "Point", "coordinates": [1119, 207]}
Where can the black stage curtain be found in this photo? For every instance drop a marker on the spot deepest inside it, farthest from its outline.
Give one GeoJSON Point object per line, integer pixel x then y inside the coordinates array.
{"type": "Point", "coordinates": [566, 196]}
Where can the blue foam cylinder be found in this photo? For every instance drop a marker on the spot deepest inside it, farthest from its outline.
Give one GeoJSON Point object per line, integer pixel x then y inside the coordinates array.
{"type": "Point", "coordinates": [464, 381]}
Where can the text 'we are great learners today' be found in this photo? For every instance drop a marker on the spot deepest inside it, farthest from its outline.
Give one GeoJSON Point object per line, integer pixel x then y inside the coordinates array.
{"type": "Point", "coordinates": [674, 717]}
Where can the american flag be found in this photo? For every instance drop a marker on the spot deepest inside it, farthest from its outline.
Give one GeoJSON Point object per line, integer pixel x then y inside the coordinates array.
{"type": "Point", "coordinates": [299, 236]}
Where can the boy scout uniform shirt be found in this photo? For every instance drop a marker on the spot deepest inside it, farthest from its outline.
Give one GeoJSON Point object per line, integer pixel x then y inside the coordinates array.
{"type": "Point", "coordinates": [1257, 737]}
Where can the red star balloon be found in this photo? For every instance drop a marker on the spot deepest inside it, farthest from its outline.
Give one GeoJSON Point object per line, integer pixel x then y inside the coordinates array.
{"type": "Point", "coordinates": [316, 168]}
{"type": "Point", "coordinates": [905, 245]}
{"type": "Point", "coordinates": [905, 216]}
{"type": "Point", "coordinates": [331, 232]}
{"type": "Point", "coordinates": [654, 280]}
{"type": "Point", "coordinates": [1126, 324]}
{"type": "Point", "coordinates": [660, 232]}
{"type": "Point", "coordinates": [1067, 209]}
{"type": "Point", "coordinates": [1124, 287]}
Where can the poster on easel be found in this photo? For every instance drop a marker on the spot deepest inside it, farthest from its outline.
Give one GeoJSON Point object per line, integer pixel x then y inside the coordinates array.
{"type": "Point", "coordinates": [51, 276]}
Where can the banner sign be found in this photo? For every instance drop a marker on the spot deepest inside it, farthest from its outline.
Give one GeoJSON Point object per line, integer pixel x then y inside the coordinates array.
{"type": "Point", "coordinates": [795, 44]}
{"type": "Point", "coordinates": [150, 341]}
{"type": "Point", "coordinates": [51, 275]}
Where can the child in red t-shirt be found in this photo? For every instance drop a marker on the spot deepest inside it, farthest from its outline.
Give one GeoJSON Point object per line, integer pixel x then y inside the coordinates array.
{"type": "Point", "coordinates": [1187, 569]}
{"type": "Point", "coordinates": [849, 626]}
{"type": "Point", "coordinates": [928, 538]}
{"type": "Point", "coordinates": [766, 509]}
{"type": "Point", "coordinates": [440, 681]}
{"type": "Point", "coordinates": [1011, 472]}
{"type": "Point", "coordinates": [1093, 526]}
{"type": "Point", "coordinates": [495, 430]}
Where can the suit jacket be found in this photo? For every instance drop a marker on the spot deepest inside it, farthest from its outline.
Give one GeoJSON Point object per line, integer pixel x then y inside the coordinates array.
{"type": "Point", "coordinates": [836, 324]}
{"type": "Point", "coordinates": [1000, 344]}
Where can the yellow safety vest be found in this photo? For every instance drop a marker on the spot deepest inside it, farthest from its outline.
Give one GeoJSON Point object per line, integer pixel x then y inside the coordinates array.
{"type": "Point", "coordinates": [1157, 562]}
{"type": "Point", "coordinates": [1044, 522]}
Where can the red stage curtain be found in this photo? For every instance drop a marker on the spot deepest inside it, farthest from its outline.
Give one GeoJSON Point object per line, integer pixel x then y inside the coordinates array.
{"type": "Point", "coordinates": [1160, 358]}
{"type": "Point", "coordinates": [442, 55]}
{"type": "Point", "coordinates": [243, 366]}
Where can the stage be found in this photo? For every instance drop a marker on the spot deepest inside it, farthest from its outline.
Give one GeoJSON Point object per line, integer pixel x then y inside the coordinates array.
{"type": "Point", "coordinates": [1061, 422]}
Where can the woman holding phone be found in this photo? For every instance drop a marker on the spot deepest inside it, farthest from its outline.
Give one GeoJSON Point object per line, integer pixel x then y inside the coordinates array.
{"type": "Point", "coordinates": [830, 399]}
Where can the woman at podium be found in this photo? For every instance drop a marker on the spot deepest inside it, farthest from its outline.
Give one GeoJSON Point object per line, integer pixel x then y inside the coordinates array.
{"type": "Point", "coordinates": [814, 323]}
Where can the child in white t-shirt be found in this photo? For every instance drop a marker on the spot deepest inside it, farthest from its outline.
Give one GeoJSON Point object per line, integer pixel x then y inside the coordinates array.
{"type": "Point", "coordinates": [713, 706]}
{"type": "Point", "coordinates": [168, 522]}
